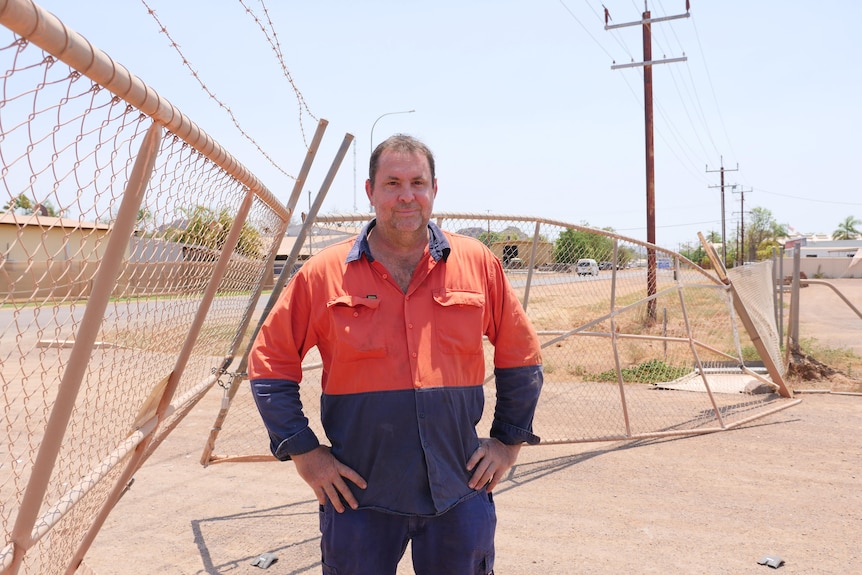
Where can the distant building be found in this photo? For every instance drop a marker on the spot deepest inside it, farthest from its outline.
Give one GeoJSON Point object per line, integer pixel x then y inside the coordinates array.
{"type": "Point", "coordinates": [319, 237]}
{"type": "Point", "coordinates": [821, 256]}
{"type": "Point", "coordinates": [45, 255]}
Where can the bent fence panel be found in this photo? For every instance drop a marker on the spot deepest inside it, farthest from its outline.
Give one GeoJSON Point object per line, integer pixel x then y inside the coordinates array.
{"type": "Point", "coordinates": [628, 353]}
{"type": "Point", "coordinates": [89, 390]}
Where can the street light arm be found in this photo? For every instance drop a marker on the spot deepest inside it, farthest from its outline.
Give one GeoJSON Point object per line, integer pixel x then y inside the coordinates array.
{"type": "Point", "coordinates": [371, 141]}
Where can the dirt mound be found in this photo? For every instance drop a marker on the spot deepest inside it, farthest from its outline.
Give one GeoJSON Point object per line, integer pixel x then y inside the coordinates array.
{"type": "Point", "coordinates": [807, 372]}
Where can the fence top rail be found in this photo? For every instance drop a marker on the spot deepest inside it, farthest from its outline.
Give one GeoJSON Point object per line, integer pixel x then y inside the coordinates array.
{"type": "Point", "coordinates": [46, 31]}
{"type": "Point", "coordinates": [361, 217]}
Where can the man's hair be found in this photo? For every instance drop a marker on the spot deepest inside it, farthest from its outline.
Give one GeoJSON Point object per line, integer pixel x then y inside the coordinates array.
{"type": "Point", "coordinates": [399, 143]}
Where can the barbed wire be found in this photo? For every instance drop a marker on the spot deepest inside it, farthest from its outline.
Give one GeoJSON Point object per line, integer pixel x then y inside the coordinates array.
{"type": "Point", "coordinates": [163, 29]}
{"type": "Point", "coordinates": [276, 48]}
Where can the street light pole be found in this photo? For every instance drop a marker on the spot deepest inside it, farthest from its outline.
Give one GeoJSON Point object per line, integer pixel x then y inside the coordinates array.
{"type": "Point", "coordinates": [371, 141]}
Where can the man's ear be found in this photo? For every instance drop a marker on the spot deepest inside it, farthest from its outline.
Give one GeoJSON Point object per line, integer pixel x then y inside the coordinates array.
{"type": "Point", "coordinates": [368, 189]}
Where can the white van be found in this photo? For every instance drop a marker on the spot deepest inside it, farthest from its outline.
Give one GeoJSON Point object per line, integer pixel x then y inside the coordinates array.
{"type": "Point", "coordinates": [587, 267]}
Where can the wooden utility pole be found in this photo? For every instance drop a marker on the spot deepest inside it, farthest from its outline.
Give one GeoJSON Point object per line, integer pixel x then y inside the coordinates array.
{"type": "Point", "coordinates": [742, 220]}
{"type": "Point", "coordinates": [723, 235]}
{"type": "Point", "coordinates": [647, 64]}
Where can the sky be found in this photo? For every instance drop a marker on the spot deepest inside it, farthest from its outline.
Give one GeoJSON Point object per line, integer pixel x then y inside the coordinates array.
{"type": "Point", "coordinates": [519, 101]}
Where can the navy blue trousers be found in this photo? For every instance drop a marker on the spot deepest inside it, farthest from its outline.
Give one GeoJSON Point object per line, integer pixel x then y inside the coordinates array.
{"type": "Point", "coordinates": [368, 542]}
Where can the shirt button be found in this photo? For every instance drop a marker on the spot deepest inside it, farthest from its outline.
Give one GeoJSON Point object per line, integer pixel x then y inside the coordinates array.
{"type": "Point", "coordinates": [418, 384]}
{"type": "Point", "coordinates": [421, 415]}
{"type": "Point", "coordinates": [414, 354]}
{"type": "Point", "coordinates": [409, 326]}
{"type": "Point", "coordinates": [356, 314]}
{"type": "Point", "coordinates": [385, 276]}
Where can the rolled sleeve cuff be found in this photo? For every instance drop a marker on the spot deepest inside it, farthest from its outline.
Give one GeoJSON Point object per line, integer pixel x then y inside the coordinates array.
{"type": "Point", "coordinates": [300, 443]}
{"type": "Point", "coordinates": [513, 435]}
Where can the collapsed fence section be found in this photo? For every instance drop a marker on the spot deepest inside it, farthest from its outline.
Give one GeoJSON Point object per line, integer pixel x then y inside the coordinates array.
{"type": "Point", "coordinates": [132, 249]}
{"type": "Point", "coordinates": [637, 341]}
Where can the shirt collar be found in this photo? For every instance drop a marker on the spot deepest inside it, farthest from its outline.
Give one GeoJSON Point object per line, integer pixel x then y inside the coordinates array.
{"type": "Point", "coordinates": [438, 245]}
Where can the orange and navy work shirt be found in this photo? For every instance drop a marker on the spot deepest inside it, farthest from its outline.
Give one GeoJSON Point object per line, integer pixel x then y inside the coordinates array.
{"type": "Point", "coordinates": [402, 373]}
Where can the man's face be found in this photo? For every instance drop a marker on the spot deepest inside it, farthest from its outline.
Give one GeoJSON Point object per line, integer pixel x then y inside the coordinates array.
{"type": "Point", "coordinates": [403, 193]}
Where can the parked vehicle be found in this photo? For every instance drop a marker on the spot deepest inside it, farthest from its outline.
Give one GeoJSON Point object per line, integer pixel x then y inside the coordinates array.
{"type": "Point", "coordinates": [587, 267]}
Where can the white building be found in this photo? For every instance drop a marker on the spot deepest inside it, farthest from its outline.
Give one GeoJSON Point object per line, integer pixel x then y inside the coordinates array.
{"type": "Point", "coordinates": [821, 256]}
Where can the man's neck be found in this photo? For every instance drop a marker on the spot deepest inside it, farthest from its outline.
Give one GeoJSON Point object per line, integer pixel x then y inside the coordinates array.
{"type": "Point", "coordinates": [399, 255]}
{"type": "Point", "coordinates": [398, 244]}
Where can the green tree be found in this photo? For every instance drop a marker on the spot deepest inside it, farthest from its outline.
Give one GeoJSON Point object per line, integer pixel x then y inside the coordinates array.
{"type": "Point", "coordinates": [847, 230]}
{"type": "Point", "coordinates": [573, 245]}
{"type": "Point", "coordinates": [208, 229]}
{"type": "Point", "coordinates": [762, 233]}
{"type": "Point", "coordinates": [24, 205]}
{"type": "Point", "coordinates": [20, 203]}
{"type": "Point", "coordinates": [713, 237]}
{"type": "Point", "coordinates": [693, 251]}
{"type": "Point", "coordinates": [489, 238]}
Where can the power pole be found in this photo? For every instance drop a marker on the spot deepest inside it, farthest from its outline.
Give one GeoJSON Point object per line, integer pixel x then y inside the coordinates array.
{"type": "Point", "coordinates": [646, 25]}
{"type": "Point", "coordinates": [742, 219]}
{"type": "Point", "coordinates": [723, 235]}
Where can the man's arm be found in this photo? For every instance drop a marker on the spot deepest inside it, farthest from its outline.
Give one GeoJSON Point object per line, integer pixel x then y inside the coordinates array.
{"type": "Point", "coordinates": [518, 390]}
{"type": "Point", "coordinates": [291, 438]}
{"type": "Point", "coordinates": [281, 410]}
{"type": "Point", "coordinates": [517, 395]}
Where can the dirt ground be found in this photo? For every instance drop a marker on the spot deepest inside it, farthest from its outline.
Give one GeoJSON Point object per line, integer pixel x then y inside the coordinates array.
{"type": "Point", "coordinates": [787, 485]}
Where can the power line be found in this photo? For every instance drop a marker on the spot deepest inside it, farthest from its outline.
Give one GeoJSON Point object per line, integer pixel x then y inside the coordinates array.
{"type": "Point", "coordinates": [815, 200]}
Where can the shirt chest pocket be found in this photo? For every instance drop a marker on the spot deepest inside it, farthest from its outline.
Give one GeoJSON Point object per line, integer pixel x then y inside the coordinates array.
{"type": "Point", "coordinates": [459, 321]}
{"type": "Point", "coordinates": [356, 335]}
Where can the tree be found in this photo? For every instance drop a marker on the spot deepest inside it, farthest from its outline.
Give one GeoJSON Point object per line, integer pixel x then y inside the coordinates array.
{"type": "Point", "coordinates": [573, 245]}
{"type": "Point", "coordinates": [489, 238]}
{"type": "Point", "coordinates": [847, 230]}
{"type": "Point", "coordinates": [761, 233]}
{"type": "Point", "coordinates": [20, 202]}
{"type": "Point", "coordinates": [694, 252]}
{"type": "Point", "coordinates": [713, 237]}
{"type": "Point", "coordinates": [25, 206]}
{"type": "Point", "coordinates": [208, 229]}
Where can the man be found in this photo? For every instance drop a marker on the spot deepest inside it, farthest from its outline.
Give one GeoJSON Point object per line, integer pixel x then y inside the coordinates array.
{"type": "Point", "coordinates": [398, 315]}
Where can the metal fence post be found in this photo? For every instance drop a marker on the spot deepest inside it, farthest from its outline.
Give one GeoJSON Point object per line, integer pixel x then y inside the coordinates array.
{"type": "Point", "coordinates": [103, 285]}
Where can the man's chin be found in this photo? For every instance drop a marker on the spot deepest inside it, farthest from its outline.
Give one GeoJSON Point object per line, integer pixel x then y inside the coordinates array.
{"type": "Point", "coordinates": [411, 224]}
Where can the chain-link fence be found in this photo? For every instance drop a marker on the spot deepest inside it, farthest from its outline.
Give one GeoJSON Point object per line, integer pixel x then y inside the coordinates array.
{"type": "Point", "coordinates": [637, 341]}
{"type": "Point", "coordinates": [133, 250]}
{"type": "Point", "coordinates": [133, 254]}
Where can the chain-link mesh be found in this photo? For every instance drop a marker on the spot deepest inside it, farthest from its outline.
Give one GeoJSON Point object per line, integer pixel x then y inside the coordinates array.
{"type": "Point", "coordinates": [627, 352]}
{"type": "Point", "coordinates": [753, 284]}
{"type": "Point", "coordinates": [189, 270]}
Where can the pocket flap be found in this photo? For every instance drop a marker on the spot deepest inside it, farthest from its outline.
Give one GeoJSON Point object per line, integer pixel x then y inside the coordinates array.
{"type": "Point", "coordinates": [448, 297]}
{"type": "Point", "coordinates": [354, 301]}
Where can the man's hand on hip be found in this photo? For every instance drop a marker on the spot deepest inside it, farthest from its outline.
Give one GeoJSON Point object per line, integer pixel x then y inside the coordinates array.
{"type": "Point", "coordinates": [490, 462]}
{"type": "Point", "coordinates": [326, 475]}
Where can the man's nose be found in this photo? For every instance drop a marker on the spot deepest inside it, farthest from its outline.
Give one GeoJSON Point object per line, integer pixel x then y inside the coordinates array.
{"type": "Point", "coordinates": [406, 195]}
